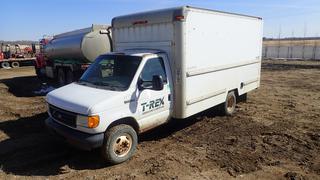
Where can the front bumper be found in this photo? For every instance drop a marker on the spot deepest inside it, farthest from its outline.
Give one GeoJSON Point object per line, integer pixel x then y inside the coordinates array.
{"type": "Point", "coordinates": [76, 138]}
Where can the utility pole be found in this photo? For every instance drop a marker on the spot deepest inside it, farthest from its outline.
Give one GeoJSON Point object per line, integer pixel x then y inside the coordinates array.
{"type": "Point", "coordinates": [314, 55]}
{"type": "Point", "coordinates": [304, 40]}
{"type": "Point", "coordinates": [279, 41]}
{"type": "Point", "coordinates": [291, 44]}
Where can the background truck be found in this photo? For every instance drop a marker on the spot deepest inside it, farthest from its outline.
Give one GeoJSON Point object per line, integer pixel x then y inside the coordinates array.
{"type": "Point", "coordinates": [171, 63]}
{"type": "Point", "coordinates": [66, 56]}
{"type": "Point", "coordinates": [16, 55]}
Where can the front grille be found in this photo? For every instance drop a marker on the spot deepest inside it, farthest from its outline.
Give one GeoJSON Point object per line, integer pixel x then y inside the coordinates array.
{"type": "Point", "coordinates": [63, 116]}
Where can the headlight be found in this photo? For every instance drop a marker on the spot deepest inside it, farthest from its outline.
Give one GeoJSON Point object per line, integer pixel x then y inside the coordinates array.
{"type": "Point", "coordinates": [88, 121]}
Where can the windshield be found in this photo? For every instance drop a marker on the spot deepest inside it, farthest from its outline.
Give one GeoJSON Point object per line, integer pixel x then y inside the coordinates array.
{"type": "Point", "coordinates": [113, 72]}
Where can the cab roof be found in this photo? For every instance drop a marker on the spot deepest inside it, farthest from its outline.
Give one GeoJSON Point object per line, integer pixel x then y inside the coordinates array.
{"type": "Point", "coordinates": [137, 52]}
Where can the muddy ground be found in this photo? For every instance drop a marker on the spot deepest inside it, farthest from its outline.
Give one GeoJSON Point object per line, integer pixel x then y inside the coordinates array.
{"type": "Point", "coordinates": [274, 135]}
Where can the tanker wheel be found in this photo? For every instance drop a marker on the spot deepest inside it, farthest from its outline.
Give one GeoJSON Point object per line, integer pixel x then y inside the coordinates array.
{"type": "Point", "coordinates": [15, 64]}
{"type": "Point", "coordinates": [38, 72]}
{"type": "Point", "coordinates": [61, 77]}
{"type": "Point", "coordinates": [69, 76]}
{"type": "Point", "coordinates": [5, 65]}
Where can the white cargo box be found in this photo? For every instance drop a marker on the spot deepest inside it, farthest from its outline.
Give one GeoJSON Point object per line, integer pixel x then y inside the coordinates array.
{"type": "Point", "coordinates": [210, 52]}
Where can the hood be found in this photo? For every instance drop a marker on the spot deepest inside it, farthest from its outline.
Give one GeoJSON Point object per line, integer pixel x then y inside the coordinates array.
{"type": "Point", "coordinates": [82, 99]}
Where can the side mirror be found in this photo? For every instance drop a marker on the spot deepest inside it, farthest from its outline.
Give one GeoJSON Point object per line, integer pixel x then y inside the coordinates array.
{"type": "Point", "coordinates": [157, 83]}
{"type": "Point", "coordinates": [140, 84]}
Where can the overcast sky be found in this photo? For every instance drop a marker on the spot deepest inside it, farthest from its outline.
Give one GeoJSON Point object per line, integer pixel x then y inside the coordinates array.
{"type": "Point", "coordinates": [31, 19]}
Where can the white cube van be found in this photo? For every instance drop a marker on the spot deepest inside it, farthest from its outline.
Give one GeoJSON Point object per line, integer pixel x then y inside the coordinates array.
{"type": "Point", "coordinates": [170, 63]}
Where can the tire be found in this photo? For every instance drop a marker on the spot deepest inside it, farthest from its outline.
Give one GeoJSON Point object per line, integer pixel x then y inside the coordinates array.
{"type": "Point", "coordinates": [5, 65]}
{"type": "Point", "coordinates": [69, 76]}
{"type": "Point", "coordinates": [243, 98]}
{"type": "Point", "coordinates": [229, 106]}
{"type": "Point", "coordinates": [38, 72]}
{"type": "Point", "coordinates": [61, 77]}
{"type": "Point", "coordinates": [120, 143]}
{"type": "Point", "coordinates": [15, 64]}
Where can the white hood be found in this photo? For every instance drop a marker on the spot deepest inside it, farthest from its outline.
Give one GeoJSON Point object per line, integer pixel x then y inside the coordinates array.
{"type": "Point", "coordinates": [83, 99]}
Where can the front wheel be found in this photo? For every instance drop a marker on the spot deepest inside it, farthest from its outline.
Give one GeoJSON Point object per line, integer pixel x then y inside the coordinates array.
{"type": "Point", "coordinates": [120, 143]}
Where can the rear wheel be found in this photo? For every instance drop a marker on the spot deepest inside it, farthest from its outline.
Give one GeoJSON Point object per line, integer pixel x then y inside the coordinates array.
{"type": "Point", "coordinates": [119, 144]}
{"type": "Point", "coordinates": [38, 72]}
{"type": "Point", "coordinates": [69, 76]}
{"type": "Point", "coordinates": [229, 106]}
{"type": "Point", "coordinates": [15, 64]}
{"type": "Point", "coordinates": [243, 98]}
{"type": "Point", "coordinates": [61, 77]}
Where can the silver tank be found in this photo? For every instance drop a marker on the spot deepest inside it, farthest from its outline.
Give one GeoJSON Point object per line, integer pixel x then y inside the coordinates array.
{"type": "Point", "coordinates": [82, 45]}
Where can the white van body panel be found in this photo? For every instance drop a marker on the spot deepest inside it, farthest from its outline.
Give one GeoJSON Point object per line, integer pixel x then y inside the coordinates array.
{"type": "Point", "coordinates": [222, 51]}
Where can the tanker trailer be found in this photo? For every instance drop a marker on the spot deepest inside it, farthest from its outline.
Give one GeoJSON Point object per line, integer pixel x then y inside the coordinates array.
{"type": "Point", "coordinates": [69, 54]}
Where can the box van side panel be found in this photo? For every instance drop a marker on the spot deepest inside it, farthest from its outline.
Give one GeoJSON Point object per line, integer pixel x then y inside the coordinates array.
{"type": "Point", "coordinates": [148, 36]}
{"type": "Point", "coordinates": [223, 52]}
{"type": "Point", "coordinates": [157, 36]}
{"type": "Point", "coordinates": [145, 36]}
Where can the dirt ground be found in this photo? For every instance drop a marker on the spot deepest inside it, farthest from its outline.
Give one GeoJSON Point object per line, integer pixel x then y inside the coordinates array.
{"type": "Point", "coordinates": [274, 135]}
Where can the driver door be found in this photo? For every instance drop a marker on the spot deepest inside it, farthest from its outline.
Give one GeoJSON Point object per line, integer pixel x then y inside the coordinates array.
{"type": "Point", "coordinates": [154, 105]}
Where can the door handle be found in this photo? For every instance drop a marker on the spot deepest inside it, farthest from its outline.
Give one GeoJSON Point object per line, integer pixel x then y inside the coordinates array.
{"type": "Point", "coordinates": [129, 101]}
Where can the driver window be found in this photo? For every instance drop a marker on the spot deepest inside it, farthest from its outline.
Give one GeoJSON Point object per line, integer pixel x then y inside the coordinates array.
{"type": "Point", "coordinates": [153, 67]}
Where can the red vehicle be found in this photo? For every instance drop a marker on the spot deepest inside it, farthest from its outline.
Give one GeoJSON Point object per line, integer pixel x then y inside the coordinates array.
{"type": "Point", "coordinates": [40, 62]}
{"type": "Point", "coordinates": [14, 56]}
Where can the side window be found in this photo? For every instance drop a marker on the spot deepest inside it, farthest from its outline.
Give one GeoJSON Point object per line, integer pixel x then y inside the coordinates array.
{"type": "Point", "coordinates": [153, 67]}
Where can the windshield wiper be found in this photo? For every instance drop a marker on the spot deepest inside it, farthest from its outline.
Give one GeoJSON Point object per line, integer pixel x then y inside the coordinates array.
{"type": "Point", "coordinates": [84, 82]}
{"type": "Point", "coordinates": [100, 83]}
{"type": "Point", "coordinates": [108, 86]}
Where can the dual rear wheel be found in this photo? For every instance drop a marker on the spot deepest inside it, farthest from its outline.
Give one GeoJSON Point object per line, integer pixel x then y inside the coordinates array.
{"type": "Point", "coordinates": [7, 65]}
{"type": "Point", "coordinates": [65, 76]}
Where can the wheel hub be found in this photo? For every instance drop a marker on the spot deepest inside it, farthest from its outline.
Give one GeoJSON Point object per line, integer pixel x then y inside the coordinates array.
{"type": "Point", "coordinates": [122, 145]}
{"type": "Point", "coordinates": [230, 103]}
